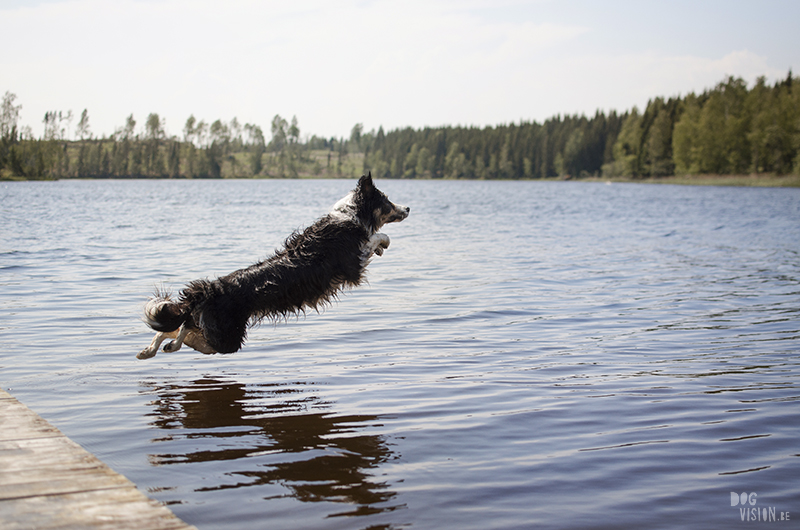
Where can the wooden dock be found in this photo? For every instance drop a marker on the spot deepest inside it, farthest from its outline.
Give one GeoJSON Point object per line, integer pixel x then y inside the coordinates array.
{"type": "Point", "coordinates": [47, 481]}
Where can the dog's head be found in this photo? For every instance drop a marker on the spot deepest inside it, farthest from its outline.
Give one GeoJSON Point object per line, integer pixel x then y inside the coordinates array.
{"type": "Point", "coordinates": [372, 208]}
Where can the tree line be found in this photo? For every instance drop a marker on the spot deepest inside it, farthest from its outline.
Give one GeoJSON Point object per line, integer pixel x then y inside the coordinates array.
{"type": "Point", "coordinates": [728, 129]}
{"type": "Point", "coordinates": [201, 152]}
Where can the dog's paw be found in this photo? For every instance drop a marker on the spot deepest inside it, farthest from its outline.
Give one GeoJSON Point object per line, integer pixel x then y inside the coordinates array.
{"type": "Point", "coordinates": [381, 243]}
{"type": "Point", "coordinates": [172, 346]}
{"type": "Point", "coordinates": [146, 353]}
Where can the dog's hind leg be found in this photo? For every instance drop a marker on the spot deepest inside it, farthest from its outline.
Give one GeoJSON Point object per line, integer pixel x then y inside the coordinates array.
{"type": "Point", "coordinates": [196, 340]}
{"type": "Point", "coordinates": [176, 344]}
{"type": "Point", "coordinates": [152, 350]}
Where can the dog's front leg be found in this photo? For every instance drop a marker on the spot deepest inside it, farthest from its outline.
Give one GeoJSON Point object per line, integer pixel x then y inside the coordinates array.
{"type": "Point", "coordinates": [382, 244]}
{"type": "Point", "coordinates": [376, 244]}
{"type": "Point", "coordinates": [176, 344]}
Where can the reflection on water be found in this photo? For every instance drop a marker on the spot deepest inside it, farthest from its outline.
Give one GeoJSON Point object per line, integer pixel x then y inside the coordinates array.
{"type": "Point", "coordinates": [271, 434]}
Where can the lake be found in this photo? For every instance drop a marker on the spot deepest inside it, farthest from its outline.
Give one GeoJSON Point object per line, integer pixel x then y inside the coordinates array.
{"type": "Point", "coordinates": [526, 354]}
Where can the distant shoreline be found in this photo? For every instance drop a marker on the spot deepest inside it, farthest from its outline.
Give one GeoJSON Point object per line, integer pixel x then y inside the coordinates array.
{"type": "Point", "coordinates": [759, 180]}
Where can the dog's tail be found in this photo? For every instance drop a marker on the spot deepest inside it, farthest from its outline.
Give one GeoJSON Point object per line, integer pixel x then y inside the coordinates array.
{"type": "Point", "coordinates": [162, 313]}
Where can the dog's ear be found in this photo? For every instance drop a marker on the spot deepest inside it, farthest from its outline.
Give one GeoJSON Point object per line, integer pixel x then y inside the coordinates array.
{"type": "Point", "coordinates": [365, 182]}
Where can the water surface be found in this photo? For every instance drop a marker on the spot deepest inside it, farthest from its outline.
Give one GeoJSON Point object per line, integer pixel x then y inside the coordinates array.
{"type": "Point", "coordinates": [526, 354]}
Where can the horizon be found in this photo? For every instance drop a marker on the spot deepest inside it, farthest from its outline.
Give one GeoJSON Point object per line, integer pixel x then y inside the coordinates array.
{"type": "Point", "coordinates": [421, 64]}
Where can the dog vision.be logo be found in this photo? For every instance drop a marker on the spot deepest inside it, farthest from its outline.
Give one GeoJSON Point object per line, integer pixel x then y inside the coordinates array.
{"type": "Point", "coordinates": [750, 512]}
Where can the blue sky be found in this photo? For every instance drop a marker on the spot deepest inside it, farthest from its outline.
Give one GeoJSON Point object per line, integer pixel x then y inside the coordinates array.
{"type": "Point", "coordinates": [391, 63]}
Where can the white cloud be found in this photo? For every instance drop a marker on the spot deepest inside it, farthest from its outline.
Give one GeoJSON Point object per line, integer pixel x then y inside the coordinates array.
{"type": "Point", "coordinates": [620, 82]}
{"type": "Point", "coordinates": [332, 64]}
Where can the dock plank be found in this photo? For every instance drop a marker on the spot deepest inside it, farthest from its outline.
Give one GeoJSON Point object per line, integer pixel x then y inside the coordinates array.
{"type": "Point", "coordinates": [118, 509]}
{"type": "Point", "coordinates": [18, 422]}
{"type": "Point", "coordinates": [47, 481]}
{"type": "Point", "coordinates": [43, 453]}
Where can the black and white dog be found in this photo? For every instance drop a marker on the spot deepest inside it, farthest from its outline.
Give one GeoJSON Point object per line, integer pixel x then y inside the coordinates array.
{"type": "Point", "coordinates": [311, 269]}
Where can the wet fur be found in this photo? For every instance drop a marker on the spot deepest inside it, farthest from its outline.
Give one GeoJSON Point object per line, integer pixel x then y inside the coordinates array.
{"type": "Point", "coordinates": [212, 316]}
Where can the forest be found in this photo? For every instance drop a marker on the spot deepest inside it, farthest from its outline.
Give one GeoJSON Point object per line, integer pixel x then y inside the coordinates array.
{"type": "Point", "coordinates": [730, 129]}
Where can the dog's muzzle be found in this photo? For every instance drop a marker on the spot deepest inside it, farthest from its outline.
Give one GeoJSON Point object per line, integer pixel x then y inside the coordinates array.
{"type": "Point", "coordinates": [399, 213]}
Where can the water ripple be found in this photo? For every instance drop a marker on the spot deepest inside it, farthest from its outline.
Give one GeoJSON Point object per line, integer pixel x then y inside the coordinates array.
{"type": "Point", "coordinates": [557, 355]}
